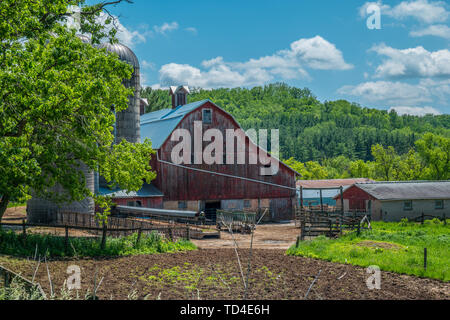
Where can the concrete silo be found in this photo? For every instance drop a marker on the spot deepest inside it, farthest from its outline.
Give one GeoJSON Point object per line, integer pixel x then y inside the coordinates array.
{"type": "Point", "coordinates": [41, 210]}
{"type": "Point", "coordinates": [128, 121]}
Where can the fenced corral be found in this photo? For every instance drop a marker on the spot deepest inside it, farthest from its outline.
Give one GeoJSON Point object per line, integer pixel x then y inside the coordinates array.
{"type": "Point", "coordinates": [313, 223]}
{"type": "Point", "coordinates": [31, 288]}
{"type": "Point", "coordinates": [238, 221]}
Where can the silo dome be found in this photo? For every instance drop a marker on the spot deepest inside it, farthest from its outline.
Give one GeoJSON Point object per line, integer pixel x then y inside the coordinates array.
{"type": "Point", "coordinates": [125, 53]}
{"type": "Point", "coordinates": [128, 121]}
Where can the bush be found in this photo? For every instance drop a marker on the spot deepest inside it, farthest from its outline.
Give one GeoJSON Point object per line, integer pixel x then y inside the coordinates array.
{"type": "Point", "coordinates": [54, 246]}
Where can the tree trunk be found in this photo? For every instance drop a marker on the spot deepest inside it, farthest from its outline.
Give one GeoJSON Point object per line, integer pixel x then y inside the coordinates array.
{"type": "Point", "coordinates": [3, 206]}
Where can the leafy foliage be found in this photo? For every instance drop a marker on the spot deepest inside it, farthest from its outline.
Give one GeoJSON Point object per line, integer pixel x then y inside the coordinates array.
{"type": "Point", "coordinates": [56, 96]}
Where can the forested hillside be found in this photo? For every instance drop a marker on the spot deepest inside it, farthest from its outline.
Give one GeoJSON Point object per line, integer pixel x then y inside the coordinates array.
{"type": "Point", "coordinates": [311, 130]}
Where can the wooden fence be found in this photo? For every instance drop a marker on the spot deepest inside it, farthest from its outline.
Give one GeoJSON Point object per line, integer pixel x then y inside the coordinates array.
{"type": "Point", "coordinates": [424, 217]}
{"type": "Point", "coordinates": [240, 221]}
{"type": "Point", "coordinates": [313, 224]}
{"type": "Point", "coordinates": [114, 230]}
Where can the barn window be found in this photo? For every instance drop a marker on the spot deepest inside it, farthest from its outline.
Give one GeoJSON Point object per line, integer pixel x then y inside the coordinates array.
{"type": "Point", "coordinates": [407, 205]}
{"type": "Point", "coordinates": [138, 203]}
{"type": "Point", "coordinates": [247, 204]}
{"type": "Point", "coordinates": [181, 99]}
{"type": "Point", "coordinates": [207, 116]}
{"type": "Point", "coordinates": [182, 205]}
{"type": "Point", "coordinates": [130, 203]}
{"type": "Point", "coordinates": [439, 204]}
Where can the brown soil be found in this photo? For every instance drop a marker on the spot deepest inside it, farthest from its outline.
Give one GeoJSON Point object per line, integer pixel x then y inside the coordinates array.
{"type": "Point", "coordinates": [267, 236]}
{"type": "Point", "coordinates": [378, 244]}
{"type": "Point", "coordinates": [215, 273]}
{"type": "Point", "coordinates": [13, 215]}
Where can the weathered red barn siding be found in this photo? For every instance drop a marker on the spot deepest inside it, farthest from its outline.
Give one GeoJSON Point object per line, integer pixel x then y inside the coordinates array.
{"type": "Point", "coordinates": [356, 197]}
{"type": "Point", "coordinates": [147, 202]}
{"type": "Point", "coordinates": [183, 184]}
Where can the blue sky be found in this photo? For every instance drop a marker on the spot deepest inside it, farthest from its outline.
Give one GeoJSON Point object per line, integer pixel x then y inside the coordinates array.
{"type": "Point", "coordinates": [323, 45]}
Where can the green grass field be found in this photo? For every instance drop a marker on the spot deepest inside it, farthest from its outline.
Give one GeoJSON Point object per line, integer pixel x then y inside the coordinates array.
{"type": "Point", "coordinates": [393, 246]}
{"type": "Point", "coordinates": [53, 246]}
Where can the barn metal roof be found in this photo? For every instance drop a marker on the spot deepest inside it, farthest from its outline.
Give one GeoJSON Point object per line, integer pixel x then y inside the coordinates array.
{"type": "Point", "coordinates": [331, 183]}
{"type": "Point", "coordinates": [147, 190]}
{"type": "Point", "coordinates": [405, 190]}
{"type": "Point", "coordinates": [158, 125]}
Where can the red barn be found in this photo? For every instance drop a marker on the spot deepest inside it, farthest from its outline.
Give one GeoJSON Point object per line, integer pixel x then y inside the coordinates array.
{"type": "Point", "coordinates": [207, 187]}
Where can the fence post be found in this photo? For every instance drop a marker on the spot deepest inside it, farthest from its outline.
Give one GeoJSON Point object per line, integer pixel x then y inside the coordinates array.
{"type": "Point", "coordinates": [24, 230]}
{"type": "Point", "coordinates": [423, 218]}
{"type": "Point", "coordinates": [302, 235]}
{"type": "Point", "coordinates": [297, 242]}
{"type": "Point", "coordinates": [139, 236]}
{"type": "Point", "coordinates": [188, 233]}
{"type": "Point", "coordinates": [105, 228]}
{"type": "Point", "coordinates": [170, 234]}
{"type": "Point", "coordinates": [330, 227]}
{"type": "Point", "coordinates": [445, 220]}
{"type": "Point", "coordinates": [6, 279]}
{"type": "Point", "coordinates": [425, 258]}
{"type": "Point", "coordinates": [66, 240]}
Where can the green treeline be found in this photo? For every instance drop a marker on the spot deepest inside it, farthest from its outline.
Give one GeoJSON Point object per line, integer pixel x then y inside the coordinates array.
{"type": "Point", "coordinates": [334, 139]}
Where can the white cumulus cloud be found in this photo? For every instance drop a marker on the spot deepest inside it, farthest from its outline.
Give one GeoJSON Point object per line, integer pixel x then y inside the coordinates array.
{"type": "Point", "coordinates": [312, 53]}
{"type": "Point", "coordinates": [412, 62]}
{"type": "Point", "coordinates": [415, 111]}
{"type": "Point", "coordinates": [125, 35]}
{"type": "Point", "coordinates": [422, 10]}
{"type": "Point", "coordinates": [423, 93]}
{"type": "Point", "coordinates": [387, 92]}
{"type": "Point", "coordinates": [438, 30]}
{"type": "Point", "coordinates": [166, 27]}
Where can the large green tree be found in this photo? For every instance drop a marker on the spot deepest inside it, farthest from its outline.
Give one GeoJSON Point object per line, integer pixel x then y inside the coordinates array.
{"type": "Point", "coordinates": [56, 100]}
{"type": "Point", "coordinates": [435, 151]}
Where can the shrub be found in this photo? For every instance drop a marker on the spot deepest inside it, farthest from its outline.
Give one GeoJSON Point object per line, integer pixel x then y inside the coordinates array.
{"type": "Point", "coordinates": [54, 246]}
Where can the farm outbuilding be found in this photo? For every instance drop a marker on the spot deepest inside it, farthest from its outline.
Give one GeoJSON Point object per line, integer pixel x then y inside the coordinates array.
{"type": "Point", "coordinates": [392, 201]}
{"type": "Point", "coordinates": [208, 187]}
{"type": "Point", "coordinates": [312, 190]}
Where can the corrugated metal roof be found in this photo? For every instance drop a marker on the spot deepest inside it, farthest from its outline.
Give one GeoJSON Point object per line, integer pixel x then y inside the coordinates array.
{"type": "Point", "coordinates": [158, 125]}
{"type": "Point", "coordinates": [407, 190]}
{"type": "Point", "coordinates": [333, 193]}
{"type": "Point", "coordinates": [147, 190]}
{"type": "Point", "coordinates": [330, 183]}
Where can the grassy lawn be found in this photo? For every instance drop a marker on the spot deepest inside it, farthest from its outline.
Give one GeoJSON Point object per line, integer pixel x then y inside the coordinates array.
{"type": "Point", "coordinates": [393, 246]}
{"type": "Point", "coordinates": [53, 246]}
